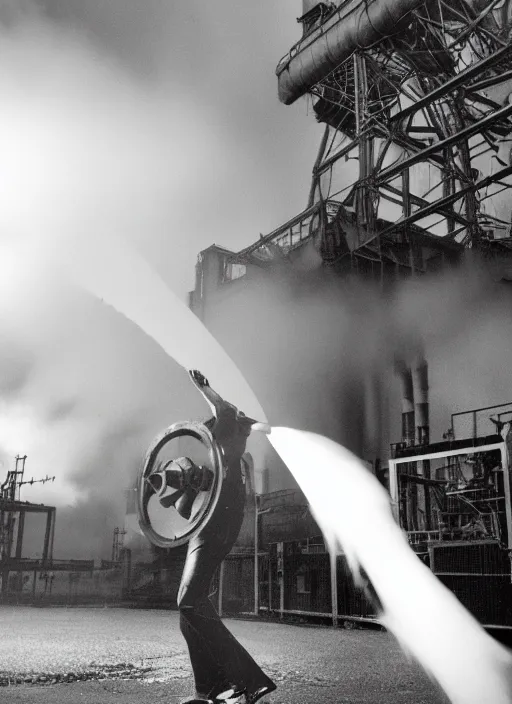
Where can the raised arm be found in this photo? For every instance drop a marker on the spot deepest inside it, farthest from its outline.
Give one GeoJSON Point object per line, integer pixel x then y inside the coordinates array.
{"type": "Point", "coordinates": [230, 427]}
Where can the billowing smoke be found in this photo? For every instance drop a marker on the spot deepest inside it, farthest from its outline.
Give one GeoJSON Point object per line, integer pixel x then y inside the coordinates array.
{"type": "Point", "coordinates": [121, 117]}
{"type": "Point", "coordinates": [84, 394]}
{"type": "Point", "coordinates": [86, 145]}
{"type": "Point", "coordinates": [321, 352]}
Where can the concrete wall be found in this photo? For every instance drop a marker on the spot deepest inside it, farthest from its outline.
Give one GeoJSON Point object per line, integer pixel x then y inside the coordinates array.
{"type": "Point", "coordinates": [65, 586]}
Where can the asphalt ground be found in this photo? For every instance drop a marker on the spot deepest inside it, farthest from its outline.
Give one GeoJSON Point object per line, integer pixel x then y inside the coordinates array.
{"type": "Point", "coordinates": [130, 656]}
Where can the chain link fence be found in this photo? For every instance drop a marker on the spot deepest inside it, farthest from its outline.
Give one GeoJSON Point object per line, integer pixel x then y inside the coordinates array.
{"type": "Point", "coordinates": [294, 579]}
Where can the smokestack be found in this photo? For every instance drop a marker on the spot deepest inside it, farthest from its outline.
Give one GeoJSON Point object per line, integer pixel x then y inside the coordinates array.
{"type": "Point", "coordinates": [374, 414]}
{"type": "Point", "coordinates": [408, 415]}
{"type": "Point", "coordinates": [420, 385]}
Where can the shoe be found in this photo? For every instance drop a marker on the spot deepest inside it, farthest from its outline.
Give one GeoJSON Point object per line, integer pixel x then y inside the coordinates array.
{"type": "Point", "coordinates": [259, 693]}
{"type": "Point", "coordinates": [196, 700]}
{"type": "Point", "coordinates": [225, 696]}
{"type": "Point", "coordinates": [230, 695]}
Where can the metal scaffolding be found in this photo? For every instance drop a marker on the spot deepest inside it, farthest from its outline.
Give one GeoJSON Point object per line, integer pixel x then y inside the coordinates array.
{"type": "Point", "coordinates": [416, 151]}
{"type": "Point", "coordinates": [12, 525]}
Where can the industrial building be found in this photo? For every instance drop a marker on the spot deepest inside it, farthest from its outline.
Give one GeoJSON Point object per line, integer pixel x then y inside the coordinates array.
{"type": "Point", "coordinates": [413, 172]}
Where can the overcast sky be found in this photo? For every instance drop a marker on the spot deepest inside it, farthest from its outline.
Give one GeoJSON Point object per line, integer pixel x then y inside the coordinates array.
{"type": "Point", "coordinates": [209, 67]}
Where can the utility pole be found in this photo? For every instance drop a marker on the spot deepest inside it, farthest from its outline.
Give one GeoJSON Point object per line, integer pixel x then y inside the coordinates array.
{"type": "Point", "coordinates": [117, 543]}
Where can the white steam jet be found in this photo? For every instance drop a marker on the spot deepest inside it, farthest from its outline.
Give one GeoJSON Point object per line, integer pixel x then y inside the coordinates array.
{"type": "Point", "coordinates": [112, 271]}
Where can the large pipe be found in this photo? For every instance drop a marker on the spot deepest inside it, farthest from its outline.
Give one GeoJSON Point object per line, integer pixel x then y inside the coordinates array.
{"type": "Point", "coordinates": [408, 415]}
{"type": "Point", "coordinates": [409, 499]}
{"type": "Point", "coordinates": [421, 406]}
{"type": "Point", "coordinates": [355, 25]}
{"type": "Point", "coordinates": [421, 412]}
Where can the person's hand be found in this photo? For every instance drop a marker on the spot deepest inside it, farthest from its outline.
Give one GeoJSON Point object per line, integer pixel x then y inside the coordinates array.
{"type": "Point", "coordinates": [200, 380]}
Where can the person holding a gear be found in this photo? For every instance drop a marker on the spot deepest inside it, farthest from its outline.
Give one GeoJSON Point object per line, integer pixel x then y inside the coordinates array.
{"type": "Point", "coordinates": [223, 669]}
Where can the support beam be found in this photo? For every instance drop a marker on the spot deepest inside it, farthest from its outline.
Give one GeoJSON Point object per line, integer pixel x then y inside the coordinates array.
{"type": "Point", "coordinates": [47, 535]}
{"type": "Point", "coordinates": [455, 82]}
{"type": "Point", "coordinates": [419, 479]}
{"type": "Point", "coordinates": [469, 131]}
{"type": "Point", "coordinates": [345, 150]}
{"type": "Point", "coordinates": [406, 211]}
{"type": "Point", "coordinates": [467, 450]}
{"type": "Point", "coordinates": [470, 201]}
{"type": "Point", "coordinates": [334, 587]}
{"type": "Point", "coordinates": [506, 460]}
{"type": "Point", "coordinates": [256, 556]}
{"type": "Point", "coordinates": [376, 129]}
{"type": "Point", "coordinates": [52, 535]}
{"type": "Point", "coordinates": [393, 489]}
{"type": "Point", "coordinates": [448, 213]}
{"type": "Point", "coordinates": [363, 202]}
{"type": "Point", "coordinates": [443, 202]}
{"type": "Point", "coordinates": [488, 82]}
{"type": "Point", "coordinates": [221, 587]}
{"type": "Point", "coordinates": [280, 576]}
{"type": "Point", "coordinates": [270, 585]}
{"type": "Point", "coordinates": [421, 408]}
{"type": "Point", "coordinates": [416, 146]}
{"type": "Point", "coordinates": [19, 548]}
{"type": "Point", "coordinates": [320, 156]}
{"type": "Point", "coordinates": [474, 25]}
{"type": "Point", "coordinates": [13, 506]}
{"type": "Point", "coordinates": [19, 537]}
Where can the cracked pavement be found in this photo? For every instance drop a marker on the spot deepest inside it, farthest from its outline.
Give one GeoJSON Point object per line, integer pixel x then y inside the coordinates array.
{"type": "Point", "coordinates": [105, 655]}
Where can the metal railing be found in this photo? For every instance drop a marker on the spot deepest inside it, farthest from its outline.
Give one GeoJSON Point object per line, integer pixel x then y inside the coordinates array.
{"type": "Point", "coordinates": [292, 233]}
{"type": "Point", "coordinates": [477, 422]}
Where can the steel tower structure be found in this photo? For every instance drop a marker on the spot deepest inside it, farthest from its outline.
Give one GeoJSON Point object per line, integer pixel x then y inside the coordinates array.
{"type": "Point", "coordinates": [416, 154]}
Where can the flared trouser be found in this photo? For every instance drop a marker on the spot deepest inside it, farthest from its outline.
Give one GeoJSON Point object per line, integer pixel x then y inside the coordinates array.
{"type": "Point", "coordinates": [218, 660]}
